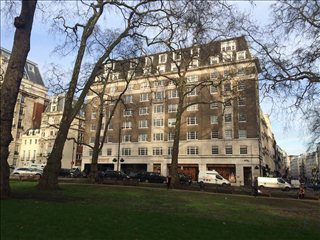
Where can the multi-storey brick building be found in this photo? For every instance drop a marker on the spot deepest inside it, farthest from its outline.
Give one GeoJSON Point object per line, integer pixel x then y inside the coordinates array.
{"type": "Point", "coordinates": [220, 131]}
{"type": "Point", "coordinates": [30, 104]}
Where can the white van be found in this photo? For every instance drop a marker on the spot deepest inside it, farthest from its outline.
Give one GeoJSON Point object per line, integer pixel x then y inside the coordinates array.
{"type": "Point", "coordinates": [270, 182]}
{"type": "Point", "coordinates": [212, 177]}
{"type": "Point", "coordinates": [295, 183]}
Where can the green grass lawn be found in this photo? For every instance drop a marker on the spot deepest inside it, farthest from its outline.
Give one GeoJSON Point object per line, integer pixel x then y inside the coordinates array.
{"type": "Point", "coordinates": [119, 212]}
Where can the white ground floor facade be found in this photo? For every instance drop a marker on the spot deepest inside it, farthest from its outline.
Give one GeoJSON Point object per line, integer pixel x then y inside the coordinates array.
{"type": "Point", "coordinates": [239, 169]}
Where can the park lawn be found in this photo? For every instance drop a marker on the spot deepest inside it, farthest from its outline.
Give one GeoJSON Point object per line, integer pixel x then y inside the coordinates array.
{"type": "Point", "coordinates": [123, 212]}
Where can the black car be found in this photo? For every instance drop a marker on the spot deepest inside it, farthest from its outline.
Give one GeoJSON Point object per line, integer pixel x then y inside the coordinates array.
{"type": "Point", "coordinates": [314, 186]}
{"type": "Point", "coordinates": [184, 179]}
{"type": "Point", "coordinates": [76, 173]}
{"type": "Point", "coordinates": [152, 177]}
{"type": "Point", "coordinates": [64, 172]}
{"type": "Point", "coordinates": [115, 175]}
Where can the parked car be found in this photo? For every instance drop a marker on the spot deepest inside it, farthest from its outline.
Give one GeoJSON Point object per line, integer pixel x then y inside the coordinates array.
{"type": "Point", "coordinates": [27, 172]}
{"type": "Point", "coordinates": [76, 173]}
{"type": "Point", "coordinates": [184, 179]}
{"type": "Point", "coordinates": [314, 186]}
{"type": "Point", "coordinates": [64, 172]}
{"type": "Point", "coordinates": [115, 175]}
{"type": "Point", "coordinates": [152, 177]}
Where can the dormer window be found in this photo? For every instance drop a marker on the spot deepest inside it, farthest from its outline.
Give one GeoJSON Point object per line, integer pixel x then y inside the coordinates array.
{"type": "Point", "coordinates": [134, 63]}
{"type": "Point", "coordinates": [195, 52]}
{"type": "Point", "coordinates": [109, 66]}
{"type": "Point", "coordinates": [148, 61]}
{"type": "Point", "coordinates": [214, 60]}
{"type": "Point", "coordinates": [162, 58]}
{"type": "Point", "coordinates": [115, 76]}
{"type": "Point", "coordinates": [176, 56]}
{"type": "Point", "coordinates": [31, 68]}
{"type": "Point", "coordinates": [241, 55]}
{"type": "Point", "coordinates": [228, 46]}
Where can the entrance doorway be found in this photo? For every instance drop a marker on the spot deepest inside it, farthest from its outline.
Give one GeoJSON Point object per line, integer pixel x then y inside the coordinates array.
{"type": "Point", "coordinates": [247, 176]}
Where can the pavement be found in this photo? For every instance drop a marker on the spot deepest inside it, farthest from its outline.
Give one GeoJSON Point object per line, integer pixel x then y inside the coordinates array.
{"type": "Point", "coordinates": [310, 194]}
{"type": "Point", "coordinates": [274, 193]}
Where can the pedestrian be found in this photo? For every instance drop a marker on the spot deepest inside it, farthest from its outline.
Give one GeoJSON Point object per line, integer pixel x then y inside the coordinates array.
{"type": "Point", "coordinates": [168, 181]}
{"type": "Point", "coordinates": [301, 191]}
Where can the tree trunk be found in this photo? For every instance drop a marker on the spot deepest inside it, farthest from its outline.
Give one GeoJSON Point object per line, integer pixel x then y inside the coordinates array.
{"type": "Point", "coordinates": [93, 176]}
{"type": "Point", "coordinates": [51, 171]}
{"type": "Point", "coordinates": [97, 145]}
{"type": "Point", "coordinates": [49, 179]}
{"type": "Point", "coordinates": [175, 149]}
{"type": "Point", "coordinates": [11, 85]}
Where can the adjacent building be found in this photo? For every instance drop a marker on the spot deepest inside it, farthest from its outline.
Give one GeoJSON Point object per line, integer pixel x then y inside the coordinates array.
{"type": "Point", "coordinates": [229, 134]}
{"type": "Point", "coordinates": [297, 166]}
{"type": "Point", "coordinates": [31, 102]}
{"type": "Point", "coordinates": [305, 166]}
{"type": "Point", "coordinates": [37, 143]}
{"type": "Point", "coordinates": [282, 162]}
{"type": "Point", "coordinates": [268, 145]}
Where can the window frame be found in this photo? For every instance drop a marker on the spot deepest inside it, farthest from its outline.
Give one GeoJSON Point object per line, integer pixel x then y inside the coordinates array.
{"type": "Point", "coordinates": [193, 150]}
{"type": "Point", "coordinates": [143, 111]}
{"type": "Point", "coordinates": [228, 134]}
{"type": "Point", "coordinates": [144, 97]}
{"type": "Point", "coordinates": [192, 135]}
{"type": "Point", "coordinates": [143, 123]}
{"type": "Point", "coordinates": [228, 150]}
{"type": "Point", "coordinates": [215, 150]}
{"type": "Point", "coordinates": [192, 120]}
{"type": "Point", "coordinates": [243, 149]}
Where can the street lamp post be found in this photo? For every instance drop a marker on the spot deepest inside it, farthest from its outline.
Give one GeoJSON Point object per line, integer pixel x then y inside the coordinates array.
{"type": "Point", "coordinates": [118, 158]}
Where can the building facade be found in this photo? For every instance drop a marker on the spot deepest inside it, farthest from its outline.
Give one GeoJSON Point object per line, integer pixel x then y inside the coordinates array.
{"type": "Point", "coordinates": [31, 102]}
{"type": "Point", "coordinates": [30, 148]}
{"type": "Point", "coordinates": [37, 143]}
{"type": "Point", "coordinates": [297, 166]}
{"type": "Point", "coordinates": [220, 128]}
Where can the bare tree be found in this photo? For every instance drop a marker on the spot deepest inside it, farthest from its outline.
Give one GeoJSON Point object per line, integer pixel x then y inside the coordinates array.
{"type": "Point", "coordinates": [11, 84]}
{"type": "Point", "coordinates": [105, 103]}
{"type": "Point", "coordinates": [198, 23]}
{"type": "Point", "coordinates": [289, 51]}
{"type": "Point", "coordinates": [135, 16]}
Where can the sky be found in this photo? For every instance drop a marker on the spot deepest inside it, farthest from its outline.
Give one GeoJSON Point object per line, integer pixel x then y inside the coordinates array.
{"type": "Point", "coordinates": [290, 134]}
